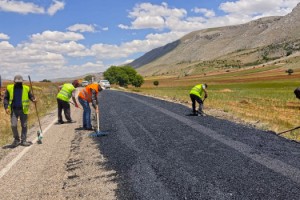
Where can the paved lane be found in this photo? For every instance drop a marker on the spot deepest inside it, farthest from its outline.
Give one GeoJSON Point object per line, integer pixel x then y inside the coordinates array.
{"type": "Point", "coordinates": [160, 153]}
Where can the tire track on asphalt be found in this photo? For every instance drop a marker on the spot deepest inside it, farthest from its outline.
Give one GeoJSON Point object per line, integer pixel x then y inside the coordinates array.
{"type": "Point", "coordinates": [275, 165]}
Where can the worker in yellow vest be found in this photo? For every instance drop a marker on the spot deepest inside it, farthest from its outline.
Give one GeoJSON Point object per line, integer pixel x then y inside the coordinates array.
{"type": "Point", "coordinates": [89, 95]}
{"type": "Point", "coordinates": [198, 94]}
{"type": "Point", "coordinates": [16, 103]}
{"type": "Point", "coordinates": [66, 91]}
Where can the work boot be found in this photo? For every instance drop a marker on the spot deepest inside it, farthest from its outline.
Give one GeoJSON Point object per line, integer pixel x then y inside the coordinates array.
{"type": "Point", "coordinates": [60, 122]}
{"type": "Point", "coordinates": [15, 143]}
{"type": "Point", "coordinates": [71, 121]}
{"type": "Point", "coordinates": [25, 143]}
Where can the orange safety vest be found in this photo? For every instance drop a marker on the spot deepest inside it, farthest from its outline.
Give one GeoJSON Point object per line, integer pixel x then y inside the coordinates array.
{"type": "Point", "coordinates": [86, 93]}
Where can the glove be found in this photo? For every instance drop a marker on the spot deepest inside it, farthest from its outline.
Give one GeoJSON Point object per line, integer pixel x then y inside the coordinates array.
{"type": "Point", "coordinates": [76, 105]}
{"type": "Point", "coordinates": [205, 96]}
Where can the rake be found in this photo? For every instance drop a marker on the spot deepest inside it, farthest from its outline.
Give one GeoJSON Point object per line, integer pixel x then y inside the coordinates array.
{"type": "Point", "coordinates": [98, 133]}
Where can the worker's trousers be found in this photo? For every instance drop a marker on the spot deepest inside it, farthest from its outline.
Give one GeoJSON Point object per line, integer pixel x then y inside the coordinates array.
{"type": "Point", "coordinates": [86, 119]}
{"type": "Point", "coordinates": [194, 99]}
{"type": "Point", "coordinates": [15, 114]}
{"type": "Point", "coordinates": [63, 105]}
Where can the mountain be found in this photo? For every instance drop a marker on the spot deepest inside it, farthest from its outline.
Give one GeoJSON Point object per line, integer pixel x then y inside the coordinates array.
{"type": "Point", "coordinates": [97, 76]}
{"type": "Point", "coordinates": [257, 41]}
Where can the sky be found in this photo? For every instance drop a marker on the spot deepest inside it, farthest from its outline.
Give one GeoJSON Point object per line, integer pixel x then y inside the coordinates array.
{"type": "Point", "coordinates": [50, 39]}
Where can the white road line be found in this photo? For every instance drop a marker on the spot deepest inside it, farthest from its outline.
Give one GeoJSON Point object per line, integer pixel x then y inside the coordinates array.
{"type": "Point", "coordinates": [22, 153]}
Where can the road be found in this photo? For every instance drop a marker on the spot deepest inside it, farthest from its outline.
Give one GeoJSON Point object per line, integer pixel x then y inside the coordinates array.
{"type": "Point", "coordinates": [152, 151]}
{"type": "Point", "coordinates": [160, 153]}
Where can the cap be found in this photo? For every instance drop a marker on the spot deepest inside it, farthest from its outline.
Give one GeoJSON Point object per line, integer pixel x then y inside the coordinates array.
{"type": "Point", "coordinates": [18, 79]}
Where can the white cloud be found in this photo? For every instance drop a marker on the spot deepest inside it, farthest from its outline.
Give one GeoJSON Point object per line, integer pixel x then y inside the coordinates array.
{"type": "Point", "coordinates": [57, 36]}
{"type": "Point", "coordinates": [147, 15]}
{"type": "Point", "coordinates": [55, 6]}
{"type": "Point", "coordinates": [205, 12]}
{"type": "Point", "coordinates": [30, 8]}
{"type": "Point", "coordinates": [4, 36]}
{"type": "Point", "coordinates": [20, 7]}
{"type": "Point", "coordinates": [82, 28]}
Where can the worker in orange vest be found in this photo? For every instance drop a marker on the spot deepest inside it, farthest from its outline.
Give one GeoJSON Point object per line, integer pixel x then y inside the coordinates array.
{"type": "Point", "coordinates": [86, 96]}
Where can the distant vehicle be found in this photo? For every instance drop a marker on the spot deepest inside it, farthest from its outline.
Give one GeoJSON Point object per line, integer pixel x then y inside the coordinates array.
{"type": "Point", "coordinates": [84, 83]}
{"type": "Point", "coordinates": [104, 84]}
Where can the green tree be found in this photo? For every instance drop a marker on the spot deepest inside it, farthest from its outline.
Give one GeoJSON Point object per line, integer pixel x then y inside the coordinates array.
{"type": "Point", "coordinates": [123, 76]}
{"type": "Point", "coordinates": [138, 81]}
{"type": "Point", "coordinates": [289, 71]}
{"type": "Point", "coordinates": [88, 78]}
{"type": "Point", "coordinates": [156, 83]}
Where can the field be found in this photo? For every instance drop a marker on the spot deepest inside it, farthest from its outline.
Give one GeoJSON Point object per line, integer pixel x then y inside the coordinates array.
{"type": "Point", "coordinates": [262, 95]}
{"type": "Point", "coordinates": [46, 100]}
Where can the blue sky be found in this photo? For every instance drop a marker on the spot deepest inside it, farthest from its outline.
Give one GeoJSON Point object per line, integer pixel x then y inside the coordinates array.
{"type": "Point", "coordinates": [49, 39]}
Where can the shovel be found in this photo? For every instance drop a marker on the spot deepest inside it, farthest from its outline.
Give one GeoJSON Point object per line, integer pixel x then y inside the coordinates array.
{"type": "Point", "coordinates": [98, 133]}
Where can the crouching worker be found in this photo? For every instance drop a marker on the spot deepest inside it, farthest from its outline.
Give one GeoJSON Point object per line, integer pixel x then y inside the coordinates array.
{"type": "Point", "coordinates": [89, 95]}
{"type": "Point", "coordinates": [198, 94]}
{"type": "Point", "coordinates": [16, 103]}
{"type": "Point", "coordinates": [66, 91]}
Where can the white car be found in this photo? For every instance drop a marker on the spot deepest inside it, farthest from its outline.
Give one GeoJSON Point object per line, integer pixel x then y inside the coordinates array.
{"type": "Point", "coordinates": [84, 83]}
{"type": "Point", "coordinates": [104, 84]}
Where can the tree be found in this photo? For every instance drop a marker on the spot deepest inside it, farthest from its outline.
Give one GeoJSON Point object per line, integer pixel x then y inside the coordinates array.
{"type": "Point", "coordinates": [123, 76]}
{"type": "Point", "coordinates": [45, 80]}
{"type": "Point", "coordinates": [289, 71]}
{"type": "Point", "coordinates": [88, 78]}
{"type": "Point", "coordinates": [156, 83]}
{"type": "Point", "coordinates": [138, 81]}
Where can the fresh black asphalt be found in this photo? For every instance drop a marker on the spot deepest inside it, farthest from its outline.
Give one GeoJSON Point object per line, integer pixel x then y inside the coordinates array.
{"type": "Point", "coordinates": [160, 153]}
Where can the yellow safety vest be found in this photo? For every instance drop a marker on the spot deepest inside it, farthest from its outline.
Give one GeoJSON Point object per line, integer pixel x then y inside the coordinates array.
{"type": "Point", "coordinates": [198, 91]}
{"type": "Point", "coordinates": [25, 99]}
{"type": "Point", "coordinates": [66, 92]}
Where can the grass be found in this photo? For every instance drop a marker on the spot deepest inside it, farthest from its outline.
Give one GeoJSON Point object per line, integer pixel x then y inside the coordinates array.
{"type": "Point", "coordinates": [46, 101]}
{"type": "Point", "coordinates": [262, 95]}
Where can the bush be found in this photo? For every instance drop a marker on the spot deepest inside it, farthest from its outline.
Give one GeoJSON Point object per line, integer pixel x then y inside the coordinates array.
{"type": "Point", "coordinates": [156, 83]}
{"type": "Point", "coordinates": [289, 71]}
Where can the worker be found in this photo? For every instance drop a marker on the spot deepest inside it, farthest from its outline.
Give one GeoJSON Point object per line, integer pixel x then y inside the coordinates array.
{"type": "Point", "coordinates": [89, 95]}
{"type": "Point", "coordinates": [66, 91]}
{"type": "Point", "coordinates": [16, 103]}
{"type": "Point", "coordinates": [198, 94]}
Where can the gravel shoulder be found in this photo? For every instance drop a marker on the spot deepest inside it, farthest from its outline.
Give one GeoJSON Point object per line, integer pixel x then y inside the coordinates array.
{"type": "Point", "coordinates": [67, 165]}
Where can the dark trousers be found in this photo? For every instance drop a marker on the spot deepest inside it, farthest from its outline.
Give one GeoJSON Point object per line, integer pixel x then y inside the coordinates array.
{"type": "Point", "coordinates": [195, 99]}
{"type": "Point", "coordinates": [15, 114]}
{"type": "Point", "coordinates": [63, 105]}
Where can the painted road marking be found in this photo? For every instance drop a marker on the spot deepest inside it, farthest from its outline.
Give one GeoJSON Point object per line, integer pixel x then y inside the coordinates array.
{"type": "Point", "coordinates": [22, 153]}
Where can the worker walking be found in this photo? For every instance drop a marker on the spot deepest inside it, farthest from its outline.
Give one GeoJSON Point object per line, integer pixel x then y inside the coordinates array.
{"type": "Point", "coordinates": [198, 94]}
{"type": "Point", "coordinates": [16, 103]}
{"type": "Point", "coordinates": [89, 95]}
{"type": "Point", "coordinates": [66, 91]}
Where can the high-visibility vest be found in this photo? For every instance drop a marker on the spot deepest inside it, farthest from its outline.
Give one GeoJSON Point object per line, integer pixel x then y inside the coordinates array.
{"type": "Point", "coordinates": [198, 91]}
{"type": "Point", "coordinates": [86, 93]}
{"type": "Point", "coordinates": [25, 99]}
{"type": "Point", "coordinates": [66, 92]}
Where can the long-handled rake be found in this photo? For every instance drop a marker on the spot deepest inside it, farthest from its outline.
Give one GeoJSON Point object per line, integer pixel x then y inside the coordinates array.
{"type": "Point", "coordinates": [289, 130]}
{"type": "Point", "coordinates": [98, 133]}
{"type": "Point", "coordinates": [39, 132]}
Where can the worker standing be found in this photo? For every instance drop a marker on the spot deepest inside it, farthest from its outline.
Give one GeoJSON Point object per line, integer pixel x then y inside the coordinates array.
{"type": "Point", "coordinates": [198, 94]}
{"type": "Point", "coordinates": [16, 103]}
{"type": "Point", "coordinates": [66, 91]}
{"type": "Point", "coordinates": [89, 95]}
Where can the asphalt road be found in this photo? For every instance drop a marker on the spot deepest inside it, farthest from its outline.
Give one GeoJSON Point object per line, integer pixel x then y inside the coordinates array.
{"type": "Point", "coordinates": [160, 153]}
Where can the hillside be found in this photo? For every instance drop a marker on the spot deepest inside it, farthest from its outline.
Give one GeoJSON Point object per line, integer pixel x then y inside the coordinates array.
{"type": "Point", "coordinates": [255, 42]}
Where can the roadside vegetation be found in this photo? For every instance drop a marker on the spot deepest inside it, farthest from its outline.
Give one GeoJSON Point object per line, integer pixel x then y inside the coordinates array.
{"type": "Point", "coordinates": [45, 93]}
{"type": "Point", "coordinates": [262, 96]}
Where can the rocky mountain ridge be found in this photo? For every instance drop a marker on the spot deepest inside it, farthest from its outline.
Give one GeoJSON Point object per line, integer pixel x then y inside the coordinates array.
{"type": "Point", "coordinates": [253, 42]}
